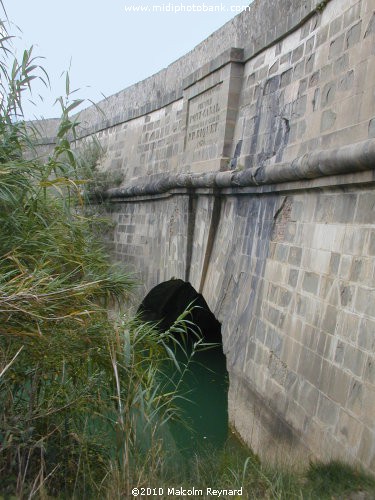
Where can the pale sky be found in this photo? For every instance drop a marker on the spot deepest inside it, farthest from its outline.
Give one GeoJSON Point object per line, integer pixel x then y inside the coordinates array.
{"type": "Point", "coordinates": [107, 47]}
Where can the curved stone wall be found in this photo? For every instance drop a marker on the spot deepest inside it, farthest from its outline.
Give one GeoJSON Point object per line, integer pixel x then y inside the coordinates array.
{"type": "Point", "coordinates": [248, 170]}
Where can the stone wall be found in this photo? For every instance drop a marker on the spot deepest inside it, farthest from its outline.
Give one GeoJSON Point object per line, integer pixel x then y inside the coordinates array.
{"type": "Point", "coordinates": [248, 169]}
{"type": "Point", "coordinates": [297, 296]}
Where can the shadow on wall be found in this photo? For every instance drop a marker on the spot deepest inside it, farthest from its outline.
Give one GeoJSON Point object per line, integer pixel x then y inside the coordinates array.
{"type": "Point", "coordinates": [166, 301]}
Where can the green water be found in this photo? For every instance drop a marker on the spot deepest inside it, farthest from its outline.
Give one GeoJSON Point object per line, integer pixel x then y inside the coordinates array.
{"type": "Point", "coordinates": [204, 412]}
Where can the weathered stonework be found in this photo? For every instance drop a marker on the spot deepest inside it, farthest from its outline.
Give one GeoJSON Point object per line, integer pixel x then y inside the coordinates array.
{"type": "Point", "coordinates": [250, 172]}
{"type": "Point", "coordinates": [211, 106]}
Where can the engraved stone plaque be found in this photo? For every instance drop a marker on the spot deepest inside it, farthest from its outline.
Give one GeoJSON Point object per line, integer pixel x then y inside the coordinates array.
{"type": "Point", "coordinates": [203, 123]}
{"type": "Point", "coordinates": [210, 107]}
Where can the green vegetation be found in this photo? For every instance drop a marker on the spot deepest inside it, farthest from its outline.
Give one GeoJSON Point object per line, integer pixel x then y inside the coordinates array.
{"type": "Point", "coordinates": [84, 405]}
{"type": "Point", "coordinates": [74, 386]}
{"type": "Point", "coordinates": [321, 6]}
{"type": "Point", "coordinates": [233, 467]}
{"type": "Point", "coordinates": [338, 480]}
{"type": "Point", "coordinates": [96, 180]}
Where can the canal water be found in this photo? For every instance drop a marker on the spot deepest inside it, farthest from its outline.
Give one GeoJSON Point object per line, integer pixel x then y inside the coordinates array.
{"type": "Point", "coordinates": [203, 403]}
{"type": "Point", "coordinates": [203, 389]}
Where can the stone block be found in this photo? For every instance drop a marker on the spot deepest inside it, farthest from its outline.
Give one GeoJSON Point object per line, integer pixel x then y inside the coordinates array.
{"type": "Point", "coordinates": [301, 304]}
{"type": "Point", "coordinates": [281, 252]}
{"type": "Point", "coordinates": [285, 58]}
{"type": "Point", "coordinates": [297, 53]}
{"type": "Point", "coordinates": [272, 85]}
{"type": "Point", "coordinates": [346, 262]}
{"type": "Point", "coordinates": [272, 294]}
{"type": "Point", "coordinates": [328, 120]}
{"type": "Point", "coordinates": [366, 450]}
{"type": "Point", "coordinates": [370, 30]}
{"type": "Point", "coordinates": [273, 69]}
{"type": "Point", "coordinates": [339, 353]}
{"type": "Point", "coordinates": [329, 320]}
{"type": "Point", "coordinates": [354, 360]}
{"type": "Point", "coordinates": [336, 47]}
{"type": "Point", "coordinates": [338, 386]}
{"type": "Point", "coordinates": [371, 128]}
{"type": "Point", "coordinates": [362, 270]}
{"type": "Point", "coordinates": [305, 31]}
{"type": "Point", "coordinates": [296, 415]}
{"type": "Point", "coordinates": [293, 277]}
{"type": "Point", "coordinates": [285, 297]}
{"type": "Point", "coordinates": [299, 107]}
{"type": "Point", "coordinates": [302, 87]}
{"type": "Point", "coordinates": [295, 255]}
{"type": "Point", "coordinates": [317, 261]}
{"type": "Point", "coordinates": [328, 411]}
{"type": "Point", "coordinates": [274, 341]}
{"type": "Point", "coordinates": [310, 282]}
{"type": "Point", "coordinates": [349, 429]}
{"type": "Point", "coordinates": [322, 36]}
{"type": "Point", "coordinates": [335, 26]}
{"type": "Point", "coordinates": [348, 325]}
{"type": "Point", "coordinates": [292, 384]}
{"type": "Point", "coordinates": [314, 79]}
{"type": "Point", "coordinates": [277, 369]}
{"type": "Point", "coordinates": [328, 236]}
{"type": "Point", "coordinates": [316, 99]}
{"type": "Point", "coordinates": [346, 294]}
{"type": "Point", "coordinates": [308, 398]}
{"type": "Point", "coordinates": [352, 14]}
{"type": "Point", "coordinates": [310, 366]}
{"type": "Point", "coordinates": [312, 336]}
{"type": "Point", "coordinates": [291, 351]}
{"type": "Point", "coordinates": [299, 70]}
{"type": "Point", "coordinates": [365, 212]}
{"type": "Point", "coordinates": [328, 94]}
{"type": "Point", "coordinates": [369, 375]}
{"type": "Point", "coordinates": [309, 65]}
{"type": "Point", "coordinates": [334, 263]}
{"type": "Point", "coordinates": [286, 78]}
{"type": "Point", "coordinates": [366, 335]}
{"type": "Point", "coordinates": [325, 376]}
{"type": "Point", "coordinates": [316, 21]}
{"type": "Point", "coordinates": [272, 315]}
{"type": "Point", "coordinates": [346, 82]}
{"type": "Point", "coordinates": [353, 35]}
{"type": "Point", "coordinates": [365, 300]}
{"type": "Point", "coordinates": [368, 404]}
{"type": "Point", "coordinates": [310, 44]}
{"type": "Point", "coordinates": [321, 344]}
{"type": "Point", "coordinates": [340, 65]}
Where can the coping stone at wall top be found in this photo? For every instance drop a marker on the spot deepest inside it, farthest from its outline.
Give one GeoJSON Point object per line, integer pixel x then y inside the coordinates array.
{"type": "Point", "coordinates": [231, 55]}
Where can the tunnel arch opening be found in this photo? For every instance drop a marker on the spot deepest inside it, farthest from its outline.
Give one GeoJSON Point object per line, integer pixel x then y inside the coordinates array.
{"type": "Point", "coordinates": [169, 299]}
{"type": "Point", "coordinates": [204, 386]}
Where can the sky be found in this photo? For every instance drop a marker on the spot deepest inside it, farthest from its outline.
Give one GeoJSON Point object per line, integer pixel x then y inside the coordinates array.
{"type": "Point", "coordinates": [107, 46]}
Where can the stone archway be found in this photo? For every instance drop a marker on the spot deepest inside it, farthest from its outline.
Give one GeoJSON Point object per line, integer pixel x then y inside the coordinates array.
{"type": "Point", "coordinates": [204, 405]}
{"type": "Point", "coordinates": [166, 301]}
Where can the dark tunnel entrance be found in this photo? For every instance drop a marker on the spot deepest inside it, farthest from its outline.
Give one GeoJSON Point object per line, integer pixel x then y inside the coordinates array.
{"type": "Point", "coordinates": [166, 301]}
{"type": "Point", "coordinates": [204, 387]}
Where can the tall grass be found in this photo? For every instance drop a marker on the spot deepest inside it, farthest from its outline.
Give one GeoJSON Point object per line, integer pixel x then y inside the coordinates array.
{"type": "Point", "coordinates": [75, 387]}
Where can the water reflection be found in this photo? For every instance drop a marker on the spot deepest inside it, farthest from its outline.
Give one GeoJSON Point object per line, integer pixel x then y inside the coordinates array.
{"type": "Point", "coordinates": [204, 406]}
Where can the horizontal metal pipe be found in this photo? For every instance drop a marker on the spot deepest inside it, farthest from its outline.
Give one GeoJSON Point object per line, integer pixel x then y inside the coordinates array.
{"type": "Point", "coordinates": [347, 159]}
